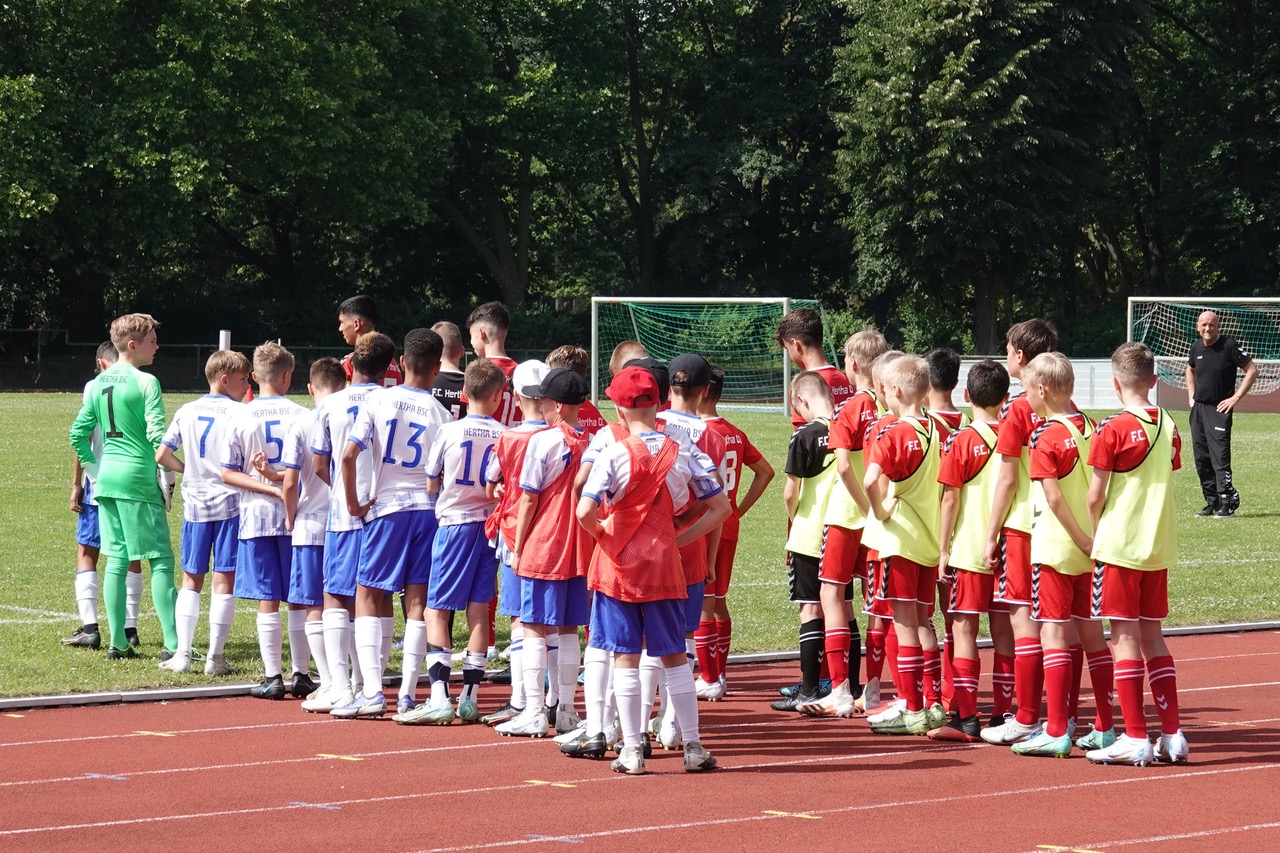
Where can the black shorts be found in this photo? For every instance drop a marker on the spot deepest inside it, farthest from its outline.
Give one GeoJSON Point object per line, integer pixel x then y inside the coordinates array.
{"type": "Point", "coordinates": [802, 578]}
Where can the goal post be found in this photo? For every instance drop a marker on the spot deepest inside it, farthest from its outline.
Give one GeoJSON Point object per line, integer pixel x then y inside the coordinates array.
{"type": "Point", "coordinates": [739, 334]}
{"type": "Point", "coordinates": [1167, 324]}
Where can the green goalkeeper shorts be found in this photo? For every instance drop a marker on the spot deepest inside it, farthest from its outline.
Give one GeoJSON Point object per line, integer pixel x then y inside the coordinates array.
{"type": "Point", "coordinates": [133, 529]}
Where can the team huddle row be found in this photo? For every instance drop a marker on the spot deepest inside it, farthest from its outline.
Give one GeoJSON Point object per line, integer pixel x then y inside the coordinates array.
{"type": "Point", "coordinates": [1028, 512]}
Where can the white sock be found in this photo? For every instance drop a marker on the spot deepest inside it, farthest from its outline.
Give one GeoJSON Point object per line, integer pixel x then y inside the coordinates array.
{"type": "Point", "coordinates": [553, 664]}
{"type": "Point", "coordinates": [610, 700]}
{"type": "Point", "coordinates": [269, 643]}
{"type": "Point", "coordinates": [132, 598]}
{"type": "Point", "coordinates": [368, 633]}
{"type": "Point", "coordinates": [570, 657]}
{"type": "Point", "coordinates": [535, 665]}
{"type": "Point", "coordinates": [388, 637]}
{"type": "Point", "coordinates": [517, 668]}
{"type": "Point", "coordinates": [691, 652]}
{"type": "Point", "coordinates": [652, 679]}
{"type": "Point", "coordinates": [222, 610]}
{"type": "Point", "coordinates": [314, 631]}
{"type": "Point", "coordinates": [186, 614]}
{"type": "Point", "coordinates": [683, 699]}
{"type": "Point", "coordinates": [87, 597]}
{"type": "Point", "coordinates": [357, 678]}
{"type": "Point", "coordinates": [334, 620]}
{"type": "Point", "coordinates": [595, 684]}
{"type": "Point", "coordinates": [415, 651]}
{"type": "Point", "coordinates": [299, 650]}
{"type": "Point", "coordinates": [439, 686]}
{"type": "Point", "coordinates": [626, 686]}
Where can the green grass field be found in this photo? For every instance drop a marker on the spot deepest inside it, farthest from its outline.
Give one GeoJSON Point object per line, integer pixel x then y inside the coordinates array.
{"type": "Point", "coordinates": [1229, 570]}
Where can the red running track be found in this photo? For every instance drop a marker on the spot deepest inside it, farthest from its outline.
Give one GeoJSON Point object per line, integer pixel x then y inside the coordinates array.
{"type": "Point", "coordinates": [243, 774]}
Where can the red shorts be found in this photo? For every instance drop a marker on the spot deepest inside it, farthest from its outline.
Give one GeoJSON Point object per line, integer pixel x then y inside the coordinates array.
{"type": "Point", "coordinates": [861, 560]}
{"type": "Point", "coordinates": [1131, 594]}
{"type": "Point", "coordinates": [972, 592]}
{"type": "Point", "coordinates": [1015, 567]}
{"type": "Point", "coordinates": [875, 604]}
{"type": "Point", "coordinates": [840, 547]}
{"type": "Point", "coordinates": [724, 568]}
{"type": "Point", "coordinates": [905, 580]}
{"type": "Point", "coordinates": [1056, 597]}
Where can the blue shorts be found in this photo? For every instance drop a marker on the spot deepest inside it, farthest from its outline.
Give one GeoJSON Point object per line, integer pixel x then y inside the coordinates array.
{"type": "Point", "coordinates": [306, 575]}
{"type": "Point", "coordinates": [625, 627]}
{"type": "Point", "coordinates": [510, 591]}
{"type": "Point", "coordinates": [263, 568]}
{"type": "Point", "coordinates": [200, 538]}
{"type": "Point", "coordinates": [558, 603]}
{"type": "Point", "coordinates": [87, 533]}
{"type": "Point", "coordinates": [464, 567]}
{"type": "Point", "coordinates": [693, 606]}
{"type": "Point", "coordinates": [341, 559]}
{"type": "Point", "coordinates": [396, 550]}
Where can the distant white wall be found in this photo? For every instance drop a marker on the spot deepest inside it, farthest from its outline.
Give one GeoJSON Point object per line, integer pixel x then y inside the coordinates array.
{"type": "Point", "coordinates": [1093, 383]}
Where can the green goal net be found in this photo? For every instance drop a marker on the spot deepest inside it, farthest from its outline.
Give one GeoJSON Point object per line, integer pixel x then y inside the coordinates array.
{"type": "Point", "coordinates": [1168, 326]}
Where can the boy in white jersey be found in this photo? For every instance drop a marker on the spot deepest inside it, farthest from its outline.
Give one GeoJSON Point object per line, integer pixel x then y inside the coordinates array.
{"type": "Point", "coordinates": [210, 507]}
{"type": "Point", "coordinates": [369, 362]}
{"type": "Point", "coordinates": [306, 509]}
{"type": "Point", "coordinates": [265, 552]}
{"type": "Point", "coordinates": [396, 427]}
{"type": "Point", "coordinates": [464, 568]}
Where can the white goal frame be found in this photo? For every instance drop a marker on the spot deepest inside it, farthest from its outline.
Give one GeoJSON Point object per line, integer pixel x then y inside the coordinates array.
{"type": "Point", "coordinates": [1208, 302]}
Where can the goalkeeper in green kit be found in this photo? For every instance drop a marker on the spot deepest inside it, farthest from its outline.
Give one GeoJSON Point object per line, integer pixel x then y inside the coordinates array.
{"type": "Point", "coordinates": [126, 404]}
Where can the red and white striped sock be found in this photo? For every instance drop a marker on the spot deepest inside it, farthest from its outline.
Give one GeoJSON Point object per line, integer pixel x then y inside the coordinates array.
{"type": "Point", "coordinates": [1002, 684]}
{"type": "Point", "coordinates": [705, 644]}
{"type": "Point", "coordinates": [932, 686]}
{"type": "Point", "coordinates": [1028, 678]}
{"type": "Point", "coordinates": [1057, 688]}
{"type": "Point", "coordinates": [966, 672]}
{"type": "Point", "coordinates": [1077, 676]}
{"type": "Point", "coordinates": [875, 651]}
{"type": "Point", "coordinates": [1164, 690]}
{"type": "Point", "coordinates": [948, 671]}
{"type": "Point", "coordinates": [724, 638]}
{"type": "Point", "coordinates": [1129, 675]}
{"type": "Point", "coordinates": [1102, 676]}
{"type": "Point", "coordinates": [910, 675]}
{"type": "Point", "coordinates": [837, 656]}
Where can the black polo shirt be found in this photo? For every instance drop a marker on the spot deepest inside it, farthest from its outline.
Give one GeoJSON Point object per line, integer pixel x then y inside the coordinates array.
{"type": "Point", "coordinates": [1216, 368]}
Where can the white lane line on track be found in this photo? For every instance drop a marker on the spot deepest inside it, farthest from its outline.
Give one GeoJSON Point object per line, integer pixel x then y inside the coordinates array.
{"type": "Point", "coordinates": [120, 735]}
{"type": "Point", "coordinates": [1156, 839]}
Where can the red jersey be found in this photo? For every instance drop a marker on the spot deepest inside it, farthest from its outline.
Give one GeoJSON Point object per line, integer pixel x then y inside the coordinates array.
{"type": "Point", "coordinates": [849, 427]}
{"type": "Point", "coordinates": [394, 377]}
{"type": "Point", "coordinates": [1053, 449]}
{"type": "Point", "coordinates": [873, 432]}
{"type": "Point", "coordinates": [841, 389]}
{"type": "Point", "coordinates": [509, 451]}
{"type": "Point", "coordinates": [1120, 443]}
{"type": "Point", "coordinates": [738, 452]}
{"type": "Point", "coordinates": [964, 455]}
{"type": "Point", "coordinates": [946, 422]}
{"type": "Point", "coordinates": [590, 418]}
{"type": "Point", "coordinates": [508, 413]}
{"type": "Point", "coordinates": [556, 547]}
{"type": "Point", "coordinates": [899, 450]}
{"type": "Point", "coordinates": [1017, 422]}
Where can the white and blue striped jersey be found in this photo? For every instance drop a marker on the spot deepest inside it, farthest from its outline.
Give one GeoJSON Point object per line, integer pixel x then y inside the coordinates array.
{"type": "Point", "coordinates": [262, 425]}
{"type": "Point", "coordinates": [459, 459]}
{"type": "Point", "coordinates": [604, 439]}
{"type": "Point", "coordinates": [199, 429]}
{"type": "Point", "coordinates": [337, 415]}
{"type": "Point", "coordinates": [545, 458]}
{"type": "Point", "coordinates": [313, 495]}
{"type": "Point", "coordinates": [612, 471]}
{"type": "Point", "coordinates": [397, 428]}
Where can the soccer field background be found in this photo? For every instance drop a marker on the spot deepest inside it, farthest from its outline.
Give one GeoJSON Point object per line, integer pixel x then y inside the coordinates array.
{"type": "Point", "coordinates": [1229, 570]}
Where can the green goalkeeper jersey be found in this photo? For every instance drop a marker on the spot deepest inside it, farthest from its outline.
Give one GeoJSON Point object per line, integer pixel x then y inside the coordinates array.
{"type": "Point", "coordinates": [127, 405]}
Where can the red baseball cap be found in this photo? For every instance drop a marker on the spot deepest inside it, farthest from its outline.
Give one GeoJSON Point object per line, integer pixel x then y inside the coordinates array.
{"type": "Point", "coordinates": [633, 388]}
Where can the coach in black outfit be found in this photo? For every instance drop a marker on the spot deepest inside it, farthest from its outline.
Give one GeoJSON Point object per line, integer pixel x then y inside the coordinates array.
{"type": "Point", "coordinates": [1211, 392]}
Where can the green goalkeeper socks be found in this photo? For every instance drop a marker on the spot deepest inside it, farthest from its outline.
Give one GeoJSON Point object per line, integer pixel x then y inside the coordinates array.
{"type": "Point", "coordinates": [113, 596]}
{"type": "Point", "coordinates": [165, 598]}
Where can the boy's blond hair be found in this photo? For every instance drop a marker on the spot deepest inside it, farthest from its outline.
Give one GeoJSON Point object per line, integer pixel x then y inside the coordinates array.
{"type": "Point", "coordinates": [1133, 365]}
{"type": "Point", "coordinates": [131, 327]}
{"type": "Point", "coordinates": [624, 352]}
{"type": "Point", "coordinates": [1052, 370]}
{"type": "Point", "coordinates": [910, 375]}
{"type": "Point", "coordinates": [482, 379]}
{"type": "Point", "coordinates": [271, 362]}
{"type": "Point", "coordinates": [569, 357]}
{"type": "Point", "coordinates": [225, 362]}
{"type": "Point", "coordinates": [865, 347]}
{"type": "Point", "coordinates": [810, 385]}
{"type": "Point", "coordinates": [882, 362]}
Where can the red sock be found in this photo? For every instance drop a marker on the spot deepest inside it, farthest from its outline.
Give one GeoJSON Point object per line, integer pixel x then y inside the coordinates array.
{"type": "Point", "coordinates": [1164, 690]}
{"type": "Point", "coordinates": [724, 636]}
{"type": "Point", "coordinates": [1129, 689]}
{"type": "Point", "coordinates": [586, 634]}
{"type": "Point", "coordinates": [910, 674]}
{"type": "Point", "coordinates": [932, 676]}
{"type": "Point", "coordinates": [1077, 675]}
{"type": "Point", "coordinates": [966, 673]}
{"type": "Point", "coordinates": [1028, 678]}
{"type": "Point", "coordinates": [1002, 685]}
{"type": "Point", "coordinates": [891, 657]}
{"type": "Point", "coordinates": [493, 620]}
{"type": "Point", "coordinates": [948, 672]}
{"type": "Point", "coordinates": [1057, 688]}
{"type": "Point", "coordinates": [1102, 675]}
{"type": "Point", "coordinates": [837, 656]}
{"type": "Point", "coordinates": [875, 651]}
{"type": "Point", "coordinates": [704, 640]}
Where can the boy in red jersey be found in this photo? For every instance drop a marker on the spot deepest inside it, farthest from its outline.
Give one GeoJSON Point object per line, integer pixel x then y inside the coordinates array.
{"type": "Point", "coordinates": [968, 477]}
{"type": "Point", "coordinates": [576, 359]}
{"type": "Point", "coordinates": [800, 335]}
{"type": "Point", "coordinates": [635, 571]}
{"type": "Point", "coordinates": [357, 316]}
{"type": "Point", "coordinates": [1134, 454]}
{"type": "Point", "coordinates": [1009, 537]}
{"type": "Point", "coordinates": [716, 627]}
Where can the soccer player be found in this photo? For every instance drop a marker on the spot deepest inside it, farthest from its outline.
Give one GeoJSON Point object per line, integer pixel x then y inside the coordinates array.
{"type": "Point", "coordinates": [1009, 536]}
{"type": "Point", "coordinates": [639, 588]}
{"type": "Point", "coordinates": [448, 385]}
{"type": "Point", "coordinates": [396, 427]}
{"type": "Point", "coordinates": [576, 359]}
{"type": "Point", "coordinates": [800, 335]}
{"type": "Point", "coordinates": [373, 356]}
{"type": "Point", "coordinates": [126, 403]}
{"type": "Point", "coordinates": [968, 477]}
{"type": "Point", "coordinates": [1134, 454]}
{"type": "Point", "coordinates": [358, 316]}
{"type": "Point", "coordinates": [210, 508]}
{"type": "Point", "coordinates": [488, 326]}
{"type": "Point", "coordinates": [741, 455]}
{"type": "Point", "coordinates": [265, 553]}
{"type": "Point", "coordinates": [906, 455]}
{"type": "Point", "coordinates": [306, 511]}
{"type": "Point", "coordinates": [551, 551]}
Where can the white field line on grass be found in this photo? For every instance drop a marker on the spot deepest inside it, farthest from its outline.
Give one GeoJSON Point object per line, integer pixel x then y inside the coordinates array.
{"type": "Point", "coordinates": [34, 611]}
